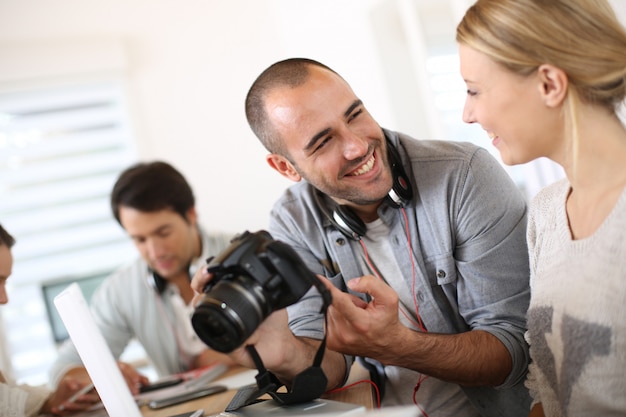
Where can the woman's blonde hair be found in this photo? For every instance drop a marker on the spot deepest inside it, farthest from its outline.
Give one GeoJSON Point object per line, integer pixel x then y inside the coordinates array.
{"type": "Point", "coordinates": [582, 37]}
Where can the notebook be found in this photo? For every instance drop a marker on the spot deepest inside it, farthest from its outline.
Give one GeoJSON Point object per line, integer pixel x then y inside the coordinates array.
{"type": "Point", "coordinates": [102, 367]}
{"type": "Point", "coordinates": [320, 408]}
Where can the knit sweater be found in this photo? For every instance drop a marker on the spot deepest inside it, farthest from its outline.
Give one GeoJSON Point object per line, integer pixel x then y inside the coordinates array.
{"type": "Point", "coordinates": [21, 400]}
{"type": "Point", "coordinates": [576, 319]}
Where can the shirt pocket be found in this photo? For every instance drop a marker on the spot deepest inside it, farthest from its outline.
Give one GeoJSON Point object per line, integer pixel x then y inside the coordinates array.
{"type": "Point", "coordinates": [442, 270]}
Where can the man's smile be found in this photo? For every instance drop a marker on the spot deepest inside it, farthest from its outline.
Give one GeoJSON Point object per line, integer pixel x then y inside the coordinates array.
{"type": "Point", "coordinates": [363, 169]}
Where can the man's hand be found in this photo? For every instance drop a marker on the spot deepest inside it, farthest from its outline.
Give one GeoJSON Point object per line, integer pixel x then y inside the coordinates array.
{"type": "Point", "coordinates": [359, 328]}
{"type": "Point", "coordinates": [374, 330]}
{"type": "Point", "coordinates": [58, 403]}
{"type": "Point", "coordinates": [133, 379]}
{"type": "Point", "coordinates": [198, 282]}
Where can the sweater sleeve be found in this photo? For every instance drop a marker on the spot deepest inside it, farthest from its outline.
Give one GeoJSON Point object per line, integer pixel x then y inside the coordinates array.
{"type": "Point", "coordinates": [21, 400]}
{"type": "Point", "coordinates": [531, 237]}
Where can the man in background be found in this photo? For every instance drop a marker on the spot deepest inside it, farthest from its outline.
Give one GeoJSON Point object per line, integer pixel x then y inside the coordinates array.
{"type": "Point", "coordinates": [150, 298]}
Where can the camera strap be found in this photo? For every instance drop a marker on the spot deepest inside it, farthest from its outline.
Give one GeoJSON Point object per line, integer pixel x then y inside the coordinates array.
{"type": "Point", "coordinates": [307, 385]}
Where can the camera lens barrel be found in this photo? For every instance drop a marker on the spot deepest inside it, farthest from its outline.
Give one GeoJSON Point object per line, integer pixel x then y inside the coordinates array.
{"type": "Point", "coordinates": [229, 313]}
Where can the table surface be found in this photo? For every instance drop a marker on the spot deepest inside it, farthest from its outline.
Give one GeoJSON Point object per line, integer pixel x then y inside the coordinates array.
{"type": "Point", "coordinates": [358, 394]}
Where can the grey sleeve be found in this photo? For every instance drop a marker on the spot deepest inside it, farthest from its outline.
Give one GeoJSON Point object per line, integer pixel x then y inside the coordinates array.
{"type": "Point", "coordinates": [492, 258]}
{"type": "Point", "coordinates": [305, 319]}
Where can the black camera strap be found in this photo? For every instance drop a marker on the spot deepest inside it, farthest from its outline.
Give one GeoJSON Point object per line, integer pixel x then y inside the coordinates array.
{"type": "Point", "coordinates": [306, 386]}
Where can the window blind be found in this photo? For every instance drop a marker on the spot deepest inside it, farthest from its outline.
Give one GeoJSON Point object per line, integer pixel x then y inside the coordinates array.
{"type": "Point", "coordinates": [61, 149]}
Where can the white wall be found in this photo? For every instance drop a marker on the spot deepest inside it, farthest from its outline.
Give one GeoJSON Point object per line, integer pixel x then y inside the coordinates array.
{"type": "Point", "coordinates": [188, 65]}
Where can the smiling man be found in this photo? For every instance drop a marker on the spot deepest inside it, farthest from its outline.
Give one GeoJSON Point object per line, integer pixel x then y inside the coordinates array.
{"type": "Point", "coordinates": [422, 244]}
{"type": "Point", "coordinates": [150, 298]}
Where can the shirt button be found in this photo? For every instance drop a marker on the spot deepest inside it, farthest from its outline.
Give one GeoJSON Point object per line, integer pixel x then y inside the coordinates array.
{"type": "Point", "coordinates": [441, 274]}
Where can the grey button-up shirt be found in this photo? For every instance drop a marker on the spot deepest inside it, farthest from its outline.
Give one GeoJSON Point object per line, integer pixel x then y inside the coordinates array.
{"type": "Point", "coordinates": [467, 223]}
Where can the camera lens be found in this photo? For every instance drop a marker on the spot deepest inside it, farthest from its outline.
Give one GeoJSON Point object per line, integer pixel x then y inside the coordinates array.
{"type": "Point", "coordinates": [229, 313]}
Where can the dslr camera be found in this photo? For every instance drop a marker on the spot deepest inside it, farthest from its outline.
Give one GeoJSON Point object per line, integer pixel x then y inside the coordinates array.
{"type": "Point", "coordinates": [254, 276]}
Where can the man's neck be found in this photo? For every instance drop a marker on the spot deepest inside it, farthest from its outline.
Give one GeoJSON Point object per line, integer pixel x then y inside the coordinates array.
{"type": "Point", "coordinates": [367, 213]}
{"type": "Point", "coordinates": [183, 284]}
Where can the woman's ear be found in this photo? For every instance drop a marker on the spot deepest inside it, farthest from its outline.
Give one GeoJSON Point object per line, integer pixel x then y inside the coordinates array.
{"type": "Point", "coordinates": [283, 166]}
{"type": "Point", "coordinates": [554, 84]}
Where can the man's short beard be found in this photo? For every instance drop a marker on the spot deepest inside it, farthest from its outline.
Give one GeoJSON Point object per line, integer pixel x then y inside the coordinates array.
{"type": "Point", "coordinates": [352, 196]}
{"type": "Point", "coordinates": [361, 200]}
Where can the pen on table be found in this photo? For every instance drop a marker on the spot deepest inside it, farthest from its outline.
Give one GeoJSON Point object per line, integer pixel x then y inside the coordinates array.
{"type": "Point", "coordinates": [82, 391]}
{"type": "Point", "coordinates": [197, 413]}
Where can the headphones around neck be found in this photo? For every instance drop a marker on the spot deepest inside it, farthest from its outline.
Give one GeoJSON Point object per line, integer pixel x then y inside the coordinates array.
{"type": "Point", "coordinates": [156, 281]}
{"type": "Point", "coordinates": [401, 193]}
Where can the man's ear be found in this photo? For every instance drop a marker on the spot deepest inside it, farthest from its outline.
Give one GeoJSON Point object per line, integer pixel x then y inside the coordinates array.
{"type": "Point", "coordinates": [283, 166]}
{"type": "Point", "coordinates": [554, 85]}
{"type": "Point", "coordinates": [192, 215]}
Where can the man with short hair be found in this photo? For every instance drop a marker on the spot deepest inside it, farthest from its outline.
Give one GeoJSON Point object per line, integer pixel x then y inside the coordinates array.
{"type": "Point", "coordinates": [422, 244]}
{"type": "Point", "coordinates": [150, 298]}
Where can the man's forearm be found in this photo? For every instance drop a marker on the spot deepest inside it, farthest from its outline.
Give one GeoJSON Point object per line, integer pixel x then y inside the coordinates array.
{"type": "Point", "coordinates": [475, 358]}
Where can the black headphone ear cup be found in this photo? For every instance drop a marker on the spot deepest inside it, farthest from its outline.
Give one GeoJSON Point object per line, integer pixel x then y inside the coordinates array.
{"type": "Point", "coordinates": [349, 223]}
{"type": "Point", "coordinates": [401, 192]}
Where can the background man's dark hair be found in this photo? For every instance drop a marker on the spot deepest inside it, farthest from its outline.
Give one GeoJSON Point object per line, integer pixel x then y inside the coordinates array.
{"type": "Point", "coordinates": [152, 187]}
{"type": "Point", "coordinates": [290, 72]}
{"type": "Point", "coordinates": [6, 238]}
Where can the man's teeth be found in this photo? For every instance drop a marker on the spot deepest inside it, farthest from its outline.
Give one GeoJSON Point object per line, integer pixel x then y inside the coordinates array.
{"type": "Point", "coordinates": [366, 167]}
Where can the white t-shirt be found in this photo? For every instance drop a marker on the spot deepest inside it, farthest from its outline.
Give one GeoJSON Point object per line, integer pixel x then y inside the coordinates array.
{"type": "Point", "coordinates": [434, 394]}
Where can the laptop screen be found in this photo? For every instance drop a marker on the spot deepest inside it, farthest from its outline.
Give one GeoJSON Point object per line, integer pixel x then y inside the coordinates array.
{"type": "Point", "coordinates": [51, 289]}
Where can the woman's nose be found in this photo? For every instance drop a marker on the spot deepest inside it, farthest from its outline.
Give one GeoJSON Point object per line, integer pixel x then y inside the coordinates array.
{"type": "Point", "coordinates": [468, 114]}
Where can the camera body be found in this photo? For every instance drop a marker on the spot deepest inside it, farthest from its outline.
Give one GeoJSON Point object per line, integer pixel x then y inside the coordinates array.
{"type": "Point", "coordinates": [253, 277]}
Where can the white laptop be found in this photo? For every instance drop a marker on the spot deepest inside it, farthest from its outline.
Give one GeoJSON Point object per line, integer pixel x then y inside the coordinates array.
{"type": "Point", "coordinates": [95, 353]}
{"type": "Point", "coordinates": [105, 374]}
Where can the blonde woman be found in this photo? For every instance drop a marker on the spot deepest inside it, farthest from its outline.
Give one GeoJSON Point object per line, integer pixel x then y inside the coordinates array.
{"type": "Point", "coordinates": [546, 79]}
